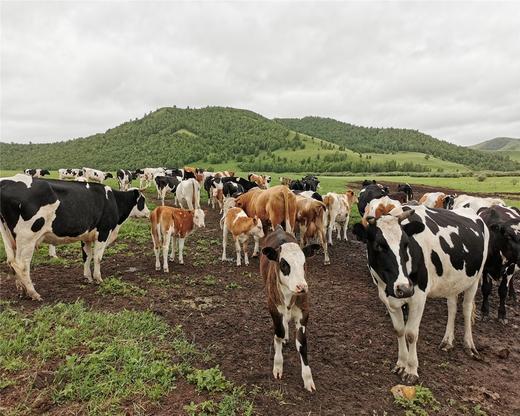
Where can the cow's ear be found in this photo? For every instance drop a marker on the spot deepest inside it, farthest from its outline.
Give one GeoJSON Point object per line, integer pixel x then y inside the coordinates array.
{"type": "Point", "coordinates": [310, 250]}
{"type": "Point", "coordinates": [413, 227]}
{"type": "Point", "coordinates": [360, 232]}
{"type": "Point", "coordinates": [270, 253]}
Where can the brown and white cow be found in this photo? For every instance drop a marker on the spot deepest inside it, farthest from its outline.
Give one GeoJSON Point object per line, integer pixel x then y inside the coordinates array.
{"type": "Point", "coordinates": [275, 205]}
{"type": "Point", "coordinates": [224, 174]}
{"type": "Point", "coordinates": [437, 200]}
{"type": "Point", "coordinates": [282, 266]}
{"type": "Point", "coordinates": [381, 206]}
{"type": "Point", "coordinates": [260, 180]}
{"type": "Point", "coordinates": [311, 217]}
{"type": "Point", "coordinates": [339, 207]}
{"type": "Point", "coordinates": [285, 180]}
{"type": "Point", "coordinates": [169, 223]}
{"type": "Point", "coordinates": [241, 228]}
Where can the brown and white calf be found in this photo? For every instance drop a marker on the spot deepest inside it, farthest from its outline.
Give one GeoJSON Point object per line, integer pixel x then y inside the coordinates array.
{"type": "Point", "coordinates": [437, 200]}
{"type": "Point", "coordinates": [169, 223]}
{"type": "Point", "coordinates": [311, 219]}
{"type": "Point", "coordinates": [339, 207]}
{"type": "Point", "coordinates": [282, 266]}
{"type": "Point", "coordinates": [241, 228]}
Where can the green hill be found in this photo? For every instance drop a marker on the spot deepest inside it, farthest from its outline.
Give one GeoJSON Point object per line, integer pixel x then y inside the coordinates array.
{"type": "Point", "coordinates": [392, 140]}
{"type": "Point", "coordinates": [218, 136]}
{"type": "Point", "coordinates": [501, 144]}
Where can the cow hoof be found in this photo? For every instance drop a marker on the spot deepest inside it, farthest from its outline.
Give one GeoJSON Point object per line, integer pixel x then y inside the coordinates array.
{"type": "Point", "coordinates": [398, 370]}
{"type": "Point", "coordinates": [36, 296]}
{"type": "Point", "coordinates": [309, 385]}
{"type": "Point", "coordinates": [326, 262]}
{"type": "Point", "coordinates": [409, 378]}
{"type": "Point", "coordinates": [157, 268]}
{"type": "Point", "coordinates": [473, 353]}
{"type": "Point", "coordinates": [277, 373]}
{"type": "Point", "coordinates": [445, 346]}
{"type": "Point", "coordinates": [171, 258]}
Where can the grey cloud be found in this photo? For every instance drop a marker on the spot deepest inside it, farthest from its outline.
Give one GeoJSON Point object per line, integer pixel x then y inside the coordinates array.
{"type": "Point", "coordinates": [76, 68]}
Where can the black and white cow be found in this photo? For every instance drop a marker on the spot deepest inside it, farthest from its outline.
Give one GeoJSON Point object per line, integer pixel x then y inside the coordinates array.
{"type": "Point", "coordinates": [166, 184]}
{"type": "Point", "coordinates": [36, 173]}
{"type": "Point", "coordinates": [407, 189]}
{"type": "Point", "coordinates": [475, 203]}
{"type": "Point", "coordinates": [234, 185]}
{"type": "Point", "coordinates": [147, 175]}
{"type": "Point", "coordinates": [70, 173]}
{"type": "Point", "coordinates": [368, 193]}
{"type": "Point", "coordinates": [33, 211]}
{"type": "Point", "coordinates": [124, 178]}
{"type": "Point", "coordinates": [503, 256]}
{"type": "Point", "coordinates": [95, 175]}
{"type": "Point", "coordinates": [211, 184]}
{"type": "Point", "coordinates": [423, 253]}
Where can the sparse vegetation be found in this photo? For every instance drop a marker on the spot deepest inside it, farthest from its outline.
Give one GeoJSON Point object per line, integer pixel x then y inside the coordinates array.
{"type": "Point", "coordinates": [113, 286]}
{"type": "Point", "coordinates": [423, 403]}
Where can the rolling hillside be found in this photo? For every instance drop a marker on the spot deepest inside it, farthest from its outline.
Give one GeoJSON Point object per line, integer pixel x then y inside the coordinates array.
{"type": "Point", "coordinates": [218, 136]}
{"type": "Point", "coordinates": [390, 140]}
{"type": "Point", "coordinates": [500, 144]}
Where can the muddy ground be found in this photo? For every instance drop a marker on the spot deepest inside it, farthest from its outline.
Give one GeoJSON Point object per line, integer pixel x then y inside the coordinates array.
{"type": "Point", "coordinates": [352, 346]}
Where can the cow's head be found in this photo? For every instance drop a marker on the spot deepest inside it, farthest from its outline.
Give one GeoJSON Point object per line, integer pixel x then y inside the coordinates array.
{"type": "Point", "coordinates": [508, 235]}
{"type": "Point", "coordinates": [198, 218]}
{"type": "Point", "coordinates": [448, 201]}
{"type": "Point", "coordinates": [108, 175]}
{"type": "Point", "coordinates": [392, 252]}
{"type": "Point", "coordinates": [140, 209]}
{"type": "Point", "coordinates": [44, 172]}
{"type": "Point", "coordinates": [291, 264]}
{"type": "Point", "coordinates": [258, 229]}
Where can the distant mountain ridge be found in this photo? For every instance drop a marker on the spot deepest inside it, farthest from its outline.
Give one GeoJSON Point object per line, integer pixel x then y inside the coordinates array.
{"type": "Point", "coordinates": [172, 136]}
{"type": "Point", "coordinates": [498, 144]}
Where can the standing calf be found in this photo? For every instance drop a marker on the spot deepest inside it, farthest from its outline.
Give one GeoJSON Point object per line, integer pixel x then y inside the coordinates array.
{"type": "Point", "coordinates": [282, 266]}
{"type": "Point", "coordinates": [241, 227]}
{"type": "Point", "coordinates": [170, 223]}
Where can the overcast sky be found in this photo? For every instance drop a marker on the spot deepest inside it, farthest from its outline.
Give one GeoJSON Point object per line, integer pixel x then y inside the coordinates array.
{"type": "Point", "coordinates": [72, 69]}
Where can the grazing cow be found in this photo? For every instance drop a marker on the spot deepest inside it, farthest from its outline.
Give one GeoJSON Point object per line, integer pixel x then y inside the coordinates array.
{"type": "Point", "coordinates": [503, 255]}
{"type": "Point", "coordinates": [233, 186]}
{"type": "Point", "coordinates": [165, 184]}
{"type": "Point", "coordinates": [367, 194]}
{"type": "Point", "coordinates": [423, 253]}
{"type": "Point", "coordinates": [338, 212]}
{"type": "Point", "coordinates": [407, 189]}
{"type": "Point", "coordinates": [188, 194]}
{"type": "Point", "coordinates": [259, 180]}
{"type": "Point", "coordinates": [169, 224]}
{"type": "Point", "coordinates": [285, 181]}
{"type": "Point", "coordinates": [276, 205]}
{"type": "Point", "coordinates": [282, 266]}
{"type": "Point", "coordinates": [311, 217]}
{"type": "Point", "coordinates": [437, 200]}
{"type": "Point", "coordinates": [475, 203]}
{"type": "Point", "coordinates": [70, 173]}
{"type": "Point", "coordinates": [241, 228]}
{"type": "Point", "coordinates": [95, 175]}
{"type": "Point", "coordinates": [36, 173]}
{"type": "Point", "coordinates": [58, 212]}
{"type": "Point", "coordinates": [147, 175]}
{"type": "Point", "coordinates": [124, 179]}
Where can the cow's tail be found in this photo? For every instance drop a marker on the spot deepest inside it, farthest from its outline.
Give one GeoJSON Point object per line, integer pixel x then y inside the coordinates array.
{"type": "Point", "coordinates": [193, 196]}
{"type": "Point", "coordinates": [287, 213]}
{"type": "Point", "coordinates": [156, 236]}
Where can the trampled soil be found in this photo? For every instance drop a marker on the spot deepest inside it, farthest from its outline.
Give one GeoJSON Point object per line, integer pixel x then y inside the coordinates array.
{"type": "Point", "coordinates": [352, 346]}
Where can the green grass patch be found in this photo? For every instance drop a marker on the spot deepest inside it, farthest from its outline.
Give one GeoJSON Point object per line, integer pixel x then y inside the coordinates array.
{"type": "Point", "coordinates": [421, 405]}
{"type": "Point", "coordinates": [113, 286]}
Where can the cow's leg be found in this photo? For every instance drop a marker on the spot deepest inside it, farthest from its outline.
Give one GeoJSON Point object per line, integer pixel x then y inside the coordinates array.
{"type": "Point", "coordinates": [86, 250]}
{"type": "Point", "coordinates": [99, 249]}
{"type": "Point", "coordinates": [244, 249]}
{"type": "Point", "coordinates": [303, 229]}
{"type": "Point", "coordinates": [323, 241]}
{"type": "Point", "coordinates": [411, 334]}
{"type": "Point", "coordinates": [301, 347]}
{"type": "Point", "coordinates": [172, 254]}
{"type": "Point", "coordinates": [345, 227]}
{"type": "Point", "coordinates": [487, 286]}
{"type": "Point", "coordinates": [502, 293]}
{"type": "Point", "coordinates": [467, 307]}
{"type": "Point", "coordinates": [163, 195]}
{"type": "Point", "coordinates": [52, 251]}
{"type": "Point", "coordinates": [224, 242]}
{"type": "Point", "coordinates": [256, 249]}
{"type": "Point", "coordinates": [396, 314]}
{"type": "Point", "coordinates": [189, 203]}
{"type": "Point", "coordinates": [449, 335]}
{"type": "Point", "coordinates": [237, 249]}
{"type": "Point", "coordinates": [22, 267]}
{"type": "Point", "coordinates": [181, 249]}
{"type": "Point", "coordinates": [330, 230]}
{"type": "Point", "coordinates": [279, 336]}
{"type": "Point", "coordinates": [165, 247]}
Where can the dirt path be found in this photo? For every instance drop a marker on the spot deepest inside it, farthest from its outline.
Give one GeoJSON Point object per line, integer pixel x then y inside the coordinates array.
{"type": "Point", "coordinates": [352, 345]}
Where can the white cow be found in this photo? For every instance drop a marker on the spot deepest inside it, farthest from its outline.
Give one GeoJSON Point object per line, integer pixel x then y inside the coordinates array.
{"type": "Point", "coordinates": [474, 203]}
{"type": "Point", "coordinates": [95, 175]}
{"type": "Point", "coordinates": [188, 194]}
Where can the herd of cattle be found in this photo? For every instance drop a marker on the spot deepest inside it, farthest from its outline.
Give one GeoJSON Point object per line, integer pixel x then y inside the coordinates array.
{"type": "Point", "coordinates": [438, 246]}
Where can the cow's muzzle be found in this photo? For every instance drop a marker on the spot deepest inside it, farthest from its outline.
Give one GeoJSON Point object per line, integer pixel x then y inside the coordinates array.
{"type": "Point", "coordinates": [404, 291]}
